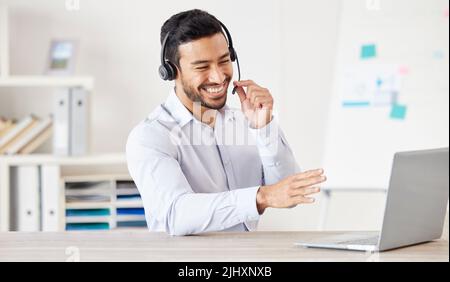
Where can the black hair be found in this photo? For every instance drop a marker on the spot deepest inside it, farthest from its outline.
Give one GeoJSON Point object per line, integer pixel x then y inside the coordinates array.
{"type": "Point", "coordinates": [185, 27]}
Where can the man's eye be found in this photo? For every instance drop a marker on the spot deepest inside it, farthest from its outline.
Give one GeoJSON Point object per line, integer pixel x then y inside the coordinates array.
{"type": "Point", "coordinates": [201, 68]}
{"type": "Point", "coordinates": [225, 62]}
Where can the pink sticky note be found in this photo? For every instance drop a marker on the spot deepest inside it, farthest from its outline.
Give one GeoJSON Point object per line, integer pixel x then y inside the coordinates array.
{"type": "Point", "coordinates": [403, 70]}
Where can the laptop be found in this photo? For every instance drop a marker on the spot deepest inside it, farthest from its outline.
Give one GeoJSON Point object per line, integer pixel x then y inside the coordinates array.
{"type": "Point", "coordinates": [415, 207]}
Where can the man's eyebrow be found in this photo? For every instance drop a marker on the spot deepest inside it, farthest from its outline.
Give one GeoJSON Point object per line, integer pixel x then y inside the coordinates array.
{"type": "Point", "coordinates": [199, 62]}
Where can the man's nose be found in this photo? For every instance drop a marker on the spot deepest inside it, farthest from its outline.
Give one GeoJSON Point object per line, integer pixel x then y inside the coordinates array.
{"type": "Point", "coordinates": [216, 75]}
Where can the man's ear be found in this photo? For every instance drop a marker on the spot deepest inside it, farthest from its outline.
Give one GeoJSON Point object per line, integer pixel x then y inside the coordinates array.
{"type": "Point", "coordinates": [178, 68]}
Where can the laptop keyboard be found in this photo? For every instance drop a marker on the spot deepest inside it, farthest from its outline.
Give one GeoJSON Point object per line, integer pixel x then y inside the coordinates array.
{"type": "Point", "coordinates": [364, 241]}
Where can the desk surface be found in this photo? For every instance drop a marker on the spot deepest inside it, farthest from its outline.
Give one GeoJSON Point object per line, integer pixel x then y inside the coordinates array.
{"type": "Point", "coordinates": [149, 246]}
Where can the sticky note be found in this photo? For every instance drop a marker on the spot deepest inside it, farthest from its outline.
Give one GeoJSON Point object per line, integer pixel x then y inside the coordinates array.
{"type": "Point", "coordinates": [438, 54]}
{"type": "Point", "coordinates": [355, 104]}
{"type": "Point", "coordinates": [379, 82]}
{"type": "Point", "coordinates": [403, 70]}
{"type": "Point", "coordinates": [398, 111]}
{"type": "Point", "coordinates": [368, 51]}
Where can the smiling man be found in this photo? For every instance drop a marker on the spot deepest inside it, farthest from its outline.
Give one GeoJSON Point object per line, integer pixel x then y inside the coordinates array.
{"type": "Point", "coordinates": [199, 165]}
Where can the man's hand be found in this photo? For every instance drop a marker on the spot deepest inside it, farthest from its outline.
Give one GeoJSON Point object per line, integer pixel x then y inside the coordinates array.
{"type": "Point", "coordinates": [290, 191]}
{"type": "Point", "coordinates": [256, 102]}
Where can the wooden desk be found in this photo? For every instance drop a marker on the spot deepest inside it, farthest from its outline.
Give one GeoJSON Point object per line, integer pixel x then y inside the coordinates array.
{"type": "Point", "coordinates": [146, 246]}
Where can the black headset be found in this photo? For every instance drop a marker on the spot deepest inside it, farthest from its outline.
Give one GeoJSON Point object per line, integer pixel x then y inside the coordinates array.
{"type": "Point", "coordinates": [168, 71]}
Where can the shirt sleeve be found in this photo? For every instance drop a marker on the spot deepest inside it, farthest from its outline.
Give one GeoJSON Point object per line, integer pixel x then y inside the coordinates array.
{"type": "Point", "coordinates": [276, 155]}
{"type": "Point", "coordinates": [169, 198]}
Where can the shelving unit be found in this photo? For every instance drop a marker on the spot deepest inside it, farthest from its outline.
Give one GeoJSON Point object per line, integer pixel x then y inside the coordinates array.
{"type": "Point", "coordinates": [7, 164]}
{"type": "Point", "coordinates": [59, 173]}
{"type": "Point", "coordinates": [115, 208]}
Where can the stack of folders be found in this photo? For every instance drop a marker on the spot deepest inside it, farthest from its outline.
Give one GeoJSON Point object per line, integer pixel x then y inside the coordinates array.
{"type": "Point", "coordinates": [88, 205]}
{"type": "Point", "coordinates": [129, 209]}
{"type": "Point", "coordinates": [25, 135]}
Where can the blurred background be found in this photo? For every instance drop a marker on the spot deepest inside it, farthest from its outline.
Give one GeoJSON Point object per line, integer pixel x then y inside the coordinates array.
{"type": "Point", "coordinates": [353, 81]}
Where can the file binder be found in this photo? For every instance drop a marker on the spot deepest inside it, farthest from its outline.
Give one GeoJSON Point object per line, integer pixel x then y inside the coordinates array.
{"type": "Point", "coordinates": [25, 180]}
{"type": "Point", "coordinates": [79, 124]}
{"type": "Point", "coordinates": [71, 122]}
{"type": "Point", "coordinates": [52, 198]}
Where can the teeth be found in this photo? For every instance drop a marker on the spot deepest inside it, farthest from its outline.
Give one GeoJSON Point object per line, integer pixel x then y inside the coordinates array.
{"type": "Point", "coordinates": [214, 90]}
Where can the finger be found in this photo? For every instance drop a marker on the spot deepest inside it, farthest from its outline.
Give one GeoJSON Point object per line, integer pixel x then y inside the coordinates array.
{"type": "Point", "coordinates": [306, 191]}
{"type": "Point", "coordinates": [241, 93]}
{"type": "Point", "coordinates": [244, 83]}
{"type": "Point", "coordinates": [309, 181]}
{"type": "Point", "coordinates": [303, 200]}
{"type": "Point", "coordinates": [309, 173]}
{"type": "Point", "coordinates": [253, 94]}
{"type": "Point", "coordinates": [264, 102]}
{"type": "Point", "coordinates": [257, 99]}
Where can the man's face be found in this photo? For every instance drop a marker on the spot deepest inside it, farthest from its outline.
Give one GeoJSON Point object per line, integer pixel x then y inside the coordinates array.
{"type": "Point", "coordinates": [206, 70]}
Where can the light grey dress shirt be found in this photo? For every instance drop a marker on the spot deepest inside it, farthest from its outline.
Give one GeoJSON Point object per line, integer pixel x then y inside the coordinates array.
{"type": "Point", "coordinates": [193, 178]}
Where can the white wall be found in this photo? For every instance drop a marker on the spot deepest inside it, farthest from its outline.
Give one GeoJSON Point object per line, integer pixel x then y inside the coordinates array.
{"type": "Point", "coordinates": [288, 46]}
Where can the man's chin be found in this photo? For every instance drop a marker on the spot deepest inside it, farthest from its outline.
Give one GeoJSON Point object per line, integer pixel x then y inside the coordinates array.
{"type": "Point", "coordinates": [215, 104]}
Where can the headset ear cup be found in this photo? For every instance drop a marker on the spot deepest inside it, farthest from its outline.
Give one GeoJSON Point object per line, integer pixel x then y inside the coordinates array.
{"type": "Point", "coordinates": [163, 72]}
{"type": "Point", "coordinates": [167, 71]}
{"type": "Point", "coordinates": [171, 71]}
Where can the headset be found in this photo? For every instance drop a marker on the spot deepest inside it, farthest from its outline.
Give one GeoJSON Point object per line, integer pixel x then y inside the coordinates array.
{"type": "Point", "coordinates": [168, 71]}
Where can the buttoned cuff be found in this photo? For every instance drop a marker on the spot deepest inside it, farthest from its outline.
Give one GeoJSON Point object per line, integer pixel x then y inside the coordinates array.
{"type": "Point", "coordinates": [267, 140]}
{"type": "Point", "coordinates": [246, 203]}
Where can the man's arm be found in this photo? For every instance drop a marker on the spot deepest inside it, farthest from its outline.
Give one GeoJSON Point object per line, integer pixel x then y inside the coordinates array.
{"type": "Point", "coordinates": [283, 186]}
{"type": "Point", "coordinates": [276, 155]}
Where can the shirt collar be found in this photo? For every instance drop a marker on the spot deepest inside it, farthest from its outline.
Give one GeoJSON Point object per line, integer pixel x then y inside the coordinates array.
{"type": "Point", "coordinates": [182, 115]}
{"type": "Point", "coordinates": [177, 110]}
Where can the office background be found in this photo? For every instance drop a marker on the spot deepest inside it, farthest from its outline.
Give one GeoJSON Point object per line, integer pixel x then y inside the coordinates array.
{"type": "Point", "coordinates": [289, 46]}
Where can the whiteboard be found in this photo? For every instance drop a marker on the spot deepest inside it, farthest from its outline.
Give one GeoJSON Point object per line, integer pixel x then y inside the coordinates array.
{"type": "Point", "coordinates": [390, 90]}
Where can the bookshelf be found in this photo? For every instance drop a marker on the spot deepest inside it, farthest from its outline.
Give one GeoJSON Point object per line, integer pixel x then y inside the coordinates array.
{"type": "Point", "coordinates": [61, 179]}
{"type": "Point", "coordinates": [44, 163]}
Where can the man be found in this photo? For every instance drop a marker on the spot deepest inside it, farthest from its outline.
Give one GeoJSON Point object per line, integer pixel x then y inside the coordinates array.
{"type": "Point", "coordinates": [199, 165]}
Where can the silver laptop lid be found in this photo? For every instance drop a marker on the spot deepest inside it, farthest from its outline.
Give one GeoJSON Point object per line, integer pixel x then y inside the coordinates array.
{"type": "Point", "coordinates": [417, 198]}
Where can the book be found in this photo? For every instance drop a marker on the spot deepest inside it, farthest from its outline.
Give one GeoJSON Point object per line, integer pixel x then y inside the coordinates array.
{"type": "Point", "coordinates": [38, 141]}
{"type": "Point", "coordinates": [22, 127]}
{"type": "Point", "coordinates": [6, 127]}
{"type": "Point", "coordinates": [29, 136]}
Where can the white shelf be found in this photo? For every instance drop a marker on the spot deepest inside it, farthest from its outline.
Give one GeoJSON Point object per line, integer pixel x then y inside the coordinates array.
{"type": "Point", "coordinates": [125, 218]}
{"type": "Point", "coordinates": [46, 81]}
{"type": "Point", "coordinates": [97, 178]}
{"type": "Point", "coordinates": [47, 159]}
{"type": "Point", "coordinates": [88, 205]}
{"type": "Point", "coordinates": [129, 204]}
{"type": "Point", "coordinates": [8, 80]}
{"type": "Point", "coordinates": [88, 219]}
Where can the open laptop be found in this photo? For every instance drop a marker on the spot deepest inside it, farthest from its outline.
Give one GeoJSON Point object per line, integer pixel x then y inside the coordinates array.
{"type": "Point", "coordinates": [415, 208]}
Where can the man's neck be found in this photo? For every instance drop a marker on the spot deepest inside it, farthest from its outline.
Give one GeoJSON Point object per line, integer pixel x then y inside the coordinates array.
{"type": "Point", "coordinates": [201, 113]}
